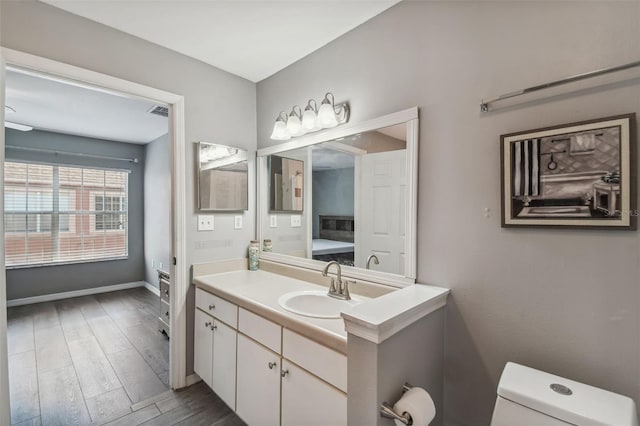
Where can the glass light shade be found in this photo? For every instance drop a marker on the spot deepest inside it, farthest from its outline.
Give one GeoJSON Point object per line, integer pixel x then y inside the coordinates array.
{"type": "Point", "coordinates": [309, 120]}
{"type": "Point", "coordinates": [293, 125]}
{"type": "Point", "coordinates": [327, 116]}
{"type": "Point", "coordinates": [280, 131]}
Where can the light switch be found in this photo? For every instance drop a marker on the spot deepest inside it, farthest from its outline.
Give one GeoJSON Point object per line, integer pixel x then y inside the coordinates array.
{"type": "Point", "coordinates": [237, 222]}
{"type": "Point", "coordinates": [296, 220]}
{"type": "Point", "coordinates": [273, 221]}
{"type": "Point", "coordinates": [205, 222]}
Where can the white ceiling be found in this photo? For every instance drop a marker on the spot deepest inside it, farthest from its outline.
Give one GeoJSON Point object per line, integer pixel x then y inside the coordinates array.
{"type": "Point", "coordinates": [67, 107]}
{"type": "Point", "coordinates": [252, 39]}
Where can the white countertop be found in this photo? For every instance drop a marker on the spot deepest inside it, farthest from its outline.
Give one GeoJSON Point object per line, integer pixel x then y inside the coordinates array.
{"type": "Point", "coordinates": [259, 291]}
{"type": "Point", "coordinates": [375, 319]}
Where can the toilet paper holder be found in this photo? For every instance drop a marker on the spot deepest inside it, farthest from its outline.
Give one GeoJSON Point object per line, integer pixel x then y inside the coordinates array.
{"type": "Point", "coordinates": [386, 410]}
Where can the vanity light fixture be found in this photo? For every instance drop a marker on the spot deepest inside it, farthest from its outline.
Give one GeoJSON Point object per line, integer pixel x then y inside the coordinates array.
{"type": "Point", "coordinates": [280, 128]}
{"type": "Point", "coordinates": [313, 119]}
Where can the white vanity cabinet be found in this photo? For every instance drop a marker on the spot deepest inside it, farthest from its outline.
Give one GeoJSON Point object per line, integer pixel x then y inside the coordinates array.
{"type": "Point", "coordinates": [270, 375]}
{"type": "Point", "coordinates": [258, 384]}
{"type": "Point", "coordinates": [215, 346]}
{"type": "Point", "coordinates": [309, 401]}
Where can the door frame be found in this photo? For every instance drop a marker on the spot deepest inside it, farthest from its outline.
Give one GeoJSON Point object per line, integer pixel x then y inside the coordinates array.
{"type": "Point", "coordinates": [179, 268]}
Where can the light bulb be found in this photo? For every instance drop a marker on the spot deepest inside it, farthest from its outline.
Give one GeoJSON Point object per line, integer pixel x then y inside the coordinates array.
{"type": "Point", "coordinates": [327, 116]}
{"type": "Point", "coordinates": [280, 131]}
{"type": "Point", "coordinates": [293, 125]}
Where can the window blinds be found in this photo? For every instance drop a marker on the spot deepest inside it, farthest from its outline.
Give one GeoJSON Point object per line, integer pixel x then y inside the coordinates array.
{"type": "Point", "coordinates": [64, 214]}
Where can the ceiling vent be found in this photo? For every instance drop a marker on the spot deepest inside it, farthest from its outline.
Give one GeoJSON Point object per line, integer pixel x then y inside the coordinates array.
{"type": "Point", "coordinates": [159, 110]}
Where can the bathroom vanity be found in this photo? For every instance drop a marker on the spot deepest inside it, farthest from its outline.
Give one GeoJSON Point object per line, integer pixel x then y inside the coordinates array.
{"type": "Point", "coordinates": [276, 367]}
{"type": "Point", "coordinates": [270, 366]}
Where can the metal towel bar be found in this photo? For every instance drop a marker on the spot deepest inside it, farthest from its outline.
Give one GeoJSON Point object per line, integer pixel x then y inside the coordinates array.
{"type": "Point", "coordinates": [386, 410]}
{"type": "Point", "coordinates": [484, 106]}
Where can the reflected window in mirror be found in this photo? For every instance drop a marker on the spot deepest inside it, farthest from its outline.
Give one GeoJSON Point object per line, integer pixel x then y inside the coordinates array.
{"type": "Point", "coordinates": [222, 178]}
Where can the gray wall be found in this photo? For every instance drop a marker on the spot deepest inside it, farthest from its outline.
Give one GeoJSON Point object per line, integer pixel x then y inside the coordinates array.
{"type": "Point", "coordinates": [564, 301]}
{"type": "Point", "coordinates": [219, 107]}
{"type": "Point", "coordinates": [41, 280]}
{"type": "Point", "coordinates": [333, 194]}
{"type": "Point", "coordinates": [157, 208]}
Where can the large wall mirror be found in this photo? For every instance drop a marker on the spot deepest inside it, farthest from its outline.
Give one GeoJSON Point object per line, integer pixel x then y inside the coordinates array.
{"type": "Point", "coordinates": [222, 178]}
{"type": "Point", "coordinates": [359, 207]}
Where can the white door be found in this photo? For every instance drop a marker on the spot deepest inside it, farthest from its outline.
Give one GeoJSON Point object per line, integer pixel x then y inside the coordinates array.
{"type": "Point", "coordinates": [203, 347]}
{"type": "Point", "coordinates": [308, 401]}
{"type": "Point", "coordinates": [258, 398]}
{"type": "Point", "coordinates": [224, 363]}
{"type": "Point", "coordinates": [380, 221]}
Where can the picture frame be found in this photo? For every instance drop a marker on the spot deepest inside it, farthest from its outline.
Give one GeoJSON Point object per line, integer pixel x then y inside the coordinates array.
{"type": "Point", "coordinates": [577, 175]}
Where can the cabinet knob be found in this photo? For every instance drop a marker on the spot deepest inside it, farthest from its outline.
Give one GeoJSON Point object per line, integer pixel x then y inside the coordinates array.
{"type": "Point", "coordinates": [207, 324]}
{"type": "Point", "coordinates": [166, 292]}
{"type": "Point", "coordinates": [214, 327]}
{"type": "Point", "coordinates": [284, 373]}
{"type": "Point", "coordinates": [166, 314]}
{"type": "Point", "coordinates": [272, 365]}
{"type": "Point", "coordinates": [212, 307]}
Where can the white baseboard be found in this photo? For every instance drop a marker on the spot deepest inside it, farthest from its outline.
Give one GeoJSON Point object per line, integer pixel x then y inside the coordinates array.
{"type": "Point", "coordinates": [192, 379]}
{"type": "Point", "coordinates": [75, 293]}
{"type": "Point", "coordinates": [153, 289]}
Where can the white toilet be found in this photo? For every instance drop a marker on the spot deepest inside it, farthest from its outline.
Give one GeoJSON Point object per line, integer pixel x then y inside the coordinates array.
{"type": "Point", "coordinates": [528, 397]}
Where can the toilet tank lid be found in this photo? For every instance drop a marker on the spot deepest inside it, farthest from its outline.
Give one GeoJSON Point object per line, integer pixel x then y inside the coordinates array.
{"type": "Point", "coordinates": [586, 405]}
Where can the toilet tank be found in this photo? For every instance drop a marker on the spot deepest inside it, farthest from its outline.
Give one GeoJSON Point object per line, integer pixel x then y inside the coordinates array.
{"type": "Point", "coordinates": [531, 397]}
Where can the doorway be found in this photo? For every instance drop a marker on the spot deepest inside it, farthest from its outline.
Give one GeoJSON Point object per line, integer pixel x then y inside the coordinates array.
{"type": "Point", "coordinates": [177, 267]}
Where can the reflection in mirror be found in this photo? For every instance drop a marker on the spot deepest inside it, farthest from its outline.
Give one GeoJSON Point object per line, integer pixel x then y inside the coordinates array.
{"type": "Point", "coordinates": [222, 178]}
{"type": "Point", "coordinates": [285, 184]}
{"type": "Point", "coordinates": [356, 212]}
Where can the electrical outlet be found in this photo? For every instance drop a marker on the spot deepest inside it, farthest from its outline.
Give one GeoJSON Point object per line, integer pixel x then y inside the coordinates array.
{"type": "Point", "coordinates": [296, 221]}
{"type": "Point", "coordinates": [205, 222]}
{"type": "Point", "coordinates": [237, 222]}
{"type": "Point", "coordinates": [273, 221]}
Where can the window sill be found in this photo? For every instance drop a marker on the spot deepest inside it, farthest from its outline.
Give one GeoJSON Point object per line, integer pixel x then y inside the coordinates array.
{"type": "Point", "coordinates": [64, 263]}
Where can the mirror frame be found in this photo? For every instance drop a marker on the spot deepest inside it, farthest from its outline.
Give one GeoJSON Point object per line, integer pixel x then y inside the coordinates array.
{"type": "Point", "coordinates": [408, 117]}
{"type": "Point", "coordinates": [242, 156]}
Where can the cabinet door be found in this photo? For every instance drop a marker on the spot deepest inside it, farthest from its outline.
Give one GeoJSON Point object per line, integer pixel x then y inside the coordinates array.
{"type": "Point", "coordinates": [308, 401]}
{"type": "Point", "coordinates": [258, 400]}
{"type": "Point", "coordinates": [224, 363]}
{"type": "Point", "coordinates": [203, 347]}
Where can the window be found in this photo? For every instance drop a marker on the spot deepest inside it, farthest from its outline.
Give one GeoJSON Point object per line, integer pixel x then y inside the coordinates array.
{"type": "Point", "coordinates": [64, 214]}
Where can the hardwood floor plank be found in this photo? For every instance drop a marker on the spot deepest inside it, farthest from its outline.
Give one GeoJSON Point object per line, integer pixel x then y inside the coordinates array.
{"type": "Point", "coordinates": [51, 349]}
{"type": "Point", "coordinates": [94, 370]}
{"type": "Point", "coordinates": [109, 404]}
{"type": "Point", "coordinates": [152, 400]}
{"type": "Point", "coordinates": [23, 386]}
{"type": "Point", "coordinates": [109, 335]}
{"type": "Point", "coordinates": [73, 322]}
{"type": "Point", "coordinates": [230, 420]}
{"type": "Point", "coordinates": [20, 336]}
{"type": "Point", "coordinates": [45, 315]}
{"type": "Point", "coordinates": [139, 380]}
{"type": "Point", "coordinates": [36, 421]}
{"type": "Point", "coordinates": [91, 308]}
{"type": "Point", "coordinates": [153, 346]}
{"type": "Point", "coordinates": [208, 415]}
{"type": "Point", "coordinates": [137, 417]}
{"type": "Point", "coordinates": [61, 399]}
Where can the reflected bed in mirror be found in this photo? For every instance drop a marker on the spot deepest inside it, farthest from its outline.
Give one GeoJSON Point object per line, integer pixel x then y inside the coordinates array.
{"type": "Point", "coordinates": [222, 178]}
{"type": "Point", "coordinates": [359, 204]}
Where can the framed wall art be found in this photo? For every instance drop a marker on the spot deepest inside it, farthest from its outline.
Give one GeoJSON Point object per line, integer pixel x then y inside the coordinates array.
{"type": "Point", "coordinates": [578, 175]}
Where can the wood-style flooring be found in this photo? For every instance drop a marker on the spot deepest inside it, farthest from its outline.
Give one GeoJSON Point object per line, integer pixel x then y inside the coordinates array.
{"type": "Point", "coordinates": [99, 360]}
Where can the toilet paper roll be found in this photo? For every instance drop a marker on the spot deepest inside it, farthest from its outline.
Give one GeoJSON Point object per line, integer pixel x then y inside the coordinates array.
{"type": "Point", "coordinates": [418, 404]}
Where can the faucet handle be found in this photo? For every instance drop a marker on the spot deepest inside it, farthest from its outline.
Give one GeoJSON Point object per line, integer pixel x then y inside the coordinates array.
{"type": "Point", "coordinates": [332, 287]}
{"type": "Point", "coordinates": [345, 288]}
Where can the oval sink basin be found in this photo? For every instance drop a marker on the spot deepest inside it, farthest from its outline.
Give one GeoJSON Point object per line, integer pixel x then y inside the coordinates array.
{"type": "Point", "coordinates": [315, 303]}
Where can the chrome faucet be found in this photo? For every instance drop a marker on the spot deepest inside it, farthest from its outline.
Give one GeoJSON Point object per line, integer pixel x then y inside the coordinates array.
{"type": "Point", "coordinates": [375, 260]}
{"type": "Point", "coordinates": [338, 289]}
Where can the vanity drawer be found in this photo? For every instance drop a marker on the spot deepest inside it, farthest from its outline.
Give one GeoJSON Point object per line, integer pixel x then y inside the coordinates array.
{"type": "Point", "coordinates": [225, 311]}
{"type": "Point", "coordinates": [320, 360]}
{"type": "Point", "coordinates": [164, 289]}
{"type": "Point", "coordinates": [262, 330]}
